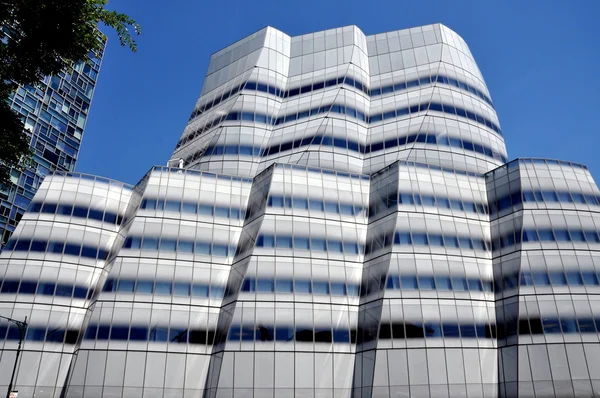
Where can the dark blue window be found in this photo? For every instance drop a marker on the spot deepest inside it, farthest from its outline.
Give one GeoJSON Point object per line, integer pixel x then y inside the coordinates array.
{"type": "Point", "coordinates": [475, 285]}
{"type": "Point", "coordinates": [443, 283]}
{"type": "Point", "coordinates": [465, 243]}
{"type": "Point", "coordinates": [467, 331]}
{"type": "Point", "coordinates": [200, 290]}
{"type": "Point", "coordinates": [191, 208]}
{"type": "Point", "coordinates": [205, 210]}
{"type": "Point", "coordinates": [33, 334]}
{"type": "Point", "coordinates": [160, 334]}
{"type": "Point", "coordinates": [550, 196]}
{"type": "Point", "coordinates": [589, 278]}
{"type": "Point", "coordinates": [540, 279]}
{"type": "Point", "coordinates": [551, 325]}
{"type": "Point", "coordinates": [55, 336]}
{"type": "Point", "coordinates": [586, 325]}
{"type": "Point", "coordinates": [284, 286]}
{"type": "Point", "coordinates": [320, 288]}
{"type": "Point", "coordinates": [80, 292]}
{"type": "Point", "coordinates": [138, 333]}
{"type": "Point", "coordinates": [46, 288]}
{"type": "Point", "coordinates": [562, 235]}
{"type": "Point", "coordinates": [303, 287]}
{"type": "Point", "coordinates": [63, 290]}
{"type": "Point", "coordinates": [103, 332]}
{"type": "Point", "coordinates": [426, 283]}
{"type": "Point", "coordinates": [450, 330]}
{"type": "Point", "coordinates": [145, 287]}
{"type": "Point", "coordinates": [408, 282]}
{"type": "Point", "coordinates": [338, 289]}
{"type": "Point", "coordinates": [577, 236]}
{"type": "Point", "coordinates": [150, 243]}
{"type": "Point", "coordinates": [27, 287]}
{"type": "Point", "coordinates": [591, 237]}
{"type": "Point", "coordinates": [169, 245]}
{"type": "Point", "coordinates": [436, 240]}
{"type": "Point", "coordinates": [451, 242]}
{"type": "Point", "coordinates": [530, 235]}
{"type": "Point", "coordinates": [318, 244]}
{"type": "Point", "coordinates": [526, 279]}
{"type": "Point", "coordinates": [202, 248]}
{"type": "Point", "coordinates": [10, 287]}
{"type": "Point", "coordinates": [163, 288]}
{"type": "Point", "coordinates": [119, 333]}
{"type": "Point", "coordinates": [284, 242]}
{"type": "Point", "coordinates": [528, 196]}
{"type": "Point", "coordinates": [402, 238]}
{"type": "Point", "coordinates": [316, 204]}
{"type": "Point", "coordinates": [574, 278]}
{"type": "Point", "coordinates": [420, 239]}
{"type": "Point", "coordinates": [185, 246]}
{"type": "Point", "coordinates": [265, 285]}
{"type": "Point", "coordinates": [284, 333]}
{"type": "Point", "coordinates": [217, 292]}
{"type": "Point", "coordinates": [558, 279]}
{"type": "Point", "coordinates": [301, 243]}
{"type": "Point", "coordinates": [460, 284]}
{"type": "Point", "coordinates": [181, 289]}
{"type": "Point", "coordinates": [393, 282]}
{"type": "Point", "coordinates": [432, 330]}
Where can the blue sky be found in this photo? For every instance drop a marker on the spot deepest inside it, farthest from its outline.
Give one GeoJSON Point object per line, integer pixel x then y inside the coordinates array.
{"type": "Point", "coordinates": [540, 59]}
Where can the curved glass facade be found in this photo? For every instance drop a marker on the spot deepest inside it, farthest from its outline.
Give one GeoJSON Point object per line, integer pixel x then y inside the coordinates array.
{"type": "Point", "coordinates": [344, 224]}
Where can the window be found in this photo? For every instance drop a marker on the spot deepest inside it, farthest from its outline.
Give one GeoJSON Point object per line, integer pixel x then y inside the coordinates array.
{"type": "Point", "coordinates": [443, 283]}
{"type": "Point", "coordinates": [303, 287]}
{"type": "Point", "coordinates": [145, 287]}
{"type": "Point", "coordinates": [420, 239]}
{"type": "Point", "coordinates": [558, 279]}
{"type": "Point", "coordinates": [574, 278]}
{"type": "Point", "coordinates": [200, 290]}
{"type": "Point", "coordinates": [408, 282]}
{"type": "Point", "coordinates": [426, 283]}
{"type": "Point", "coordinates": [181, 289]}
{"type": "Point", "coordinates": [265, 286]}
{"type": "Point", "coordinates": [163, 288]}
{"type": "Point", "coordinates": [284, 286]}
{"type": "Point", "coordinates": [321, 288]}
{"type": "Point", "coordinates": [460, 284]}
{"type": "Point", "coordinates": [126, 286]}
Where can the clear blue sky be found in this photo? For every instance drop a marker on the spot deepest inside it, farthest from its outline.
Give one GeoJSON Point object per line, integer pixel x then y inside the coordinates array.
{"type": "Point", "coordinates": [540, 59]}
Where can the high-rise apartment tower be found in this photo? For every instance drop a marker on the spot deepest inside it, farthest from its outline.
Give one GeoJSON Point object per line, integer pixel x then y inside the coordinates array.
{"type": "Point", "coordinates": [54, 114]}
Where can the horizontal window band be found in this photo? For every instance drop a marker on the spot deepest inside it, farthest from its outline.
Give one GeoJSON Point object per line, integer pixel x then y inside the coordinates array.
{"type": "Point", "coordinates": [163, 288]}
{"type": "Point", "coordinates": [177, 206]}
{"type": "Point", "coordinates": [31, 287]}
{"type": "Point", "coordinates": [352, 146]}
{"type": "Point", "coordinates": [299, 286]}
{"type": "Point", "coordinates": [75, 211]}
{"type": "Point", "coordinates": [178, 245]}
{"type": "Point", "coordinates": [72, 249]}
{"type": "Point", "coordinates": [546, 196]}
{"type": "Point", "coordinates": [529, 235]}
{"type": "Point", "coordinates": [348, 81]}
{"type": "Point", "coordinates": [550, 325]}
{"type": "Point", "coordinates": [341, 109]}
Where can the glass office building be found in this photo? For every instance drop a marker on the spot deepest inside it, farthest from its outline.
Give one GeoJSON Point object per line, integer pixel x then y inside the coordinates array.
{"type": "Point", "coordinates": [338, 219]}
{"type": "Point", "coordinates": [54, 114]}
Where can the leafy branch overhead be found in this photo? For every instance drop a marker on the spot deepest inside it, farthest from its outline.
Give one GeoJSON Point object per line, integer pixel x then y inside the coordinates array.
{"type": "Point", "coordinates": [41, 38]}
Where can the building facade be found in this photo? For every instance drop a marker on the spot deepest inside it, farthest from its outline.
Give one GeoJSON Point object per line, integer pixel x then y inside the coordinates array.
{"type": "Point", "coordinates": [54, 114]}
{"type": "Point", "coordinates": [342, 221]}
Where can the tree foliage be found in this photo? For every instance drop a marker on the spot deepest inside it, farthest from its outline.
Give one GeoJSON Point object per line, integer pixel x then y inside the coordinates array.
{"type": "Point", "coordinates": [40, 38]}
